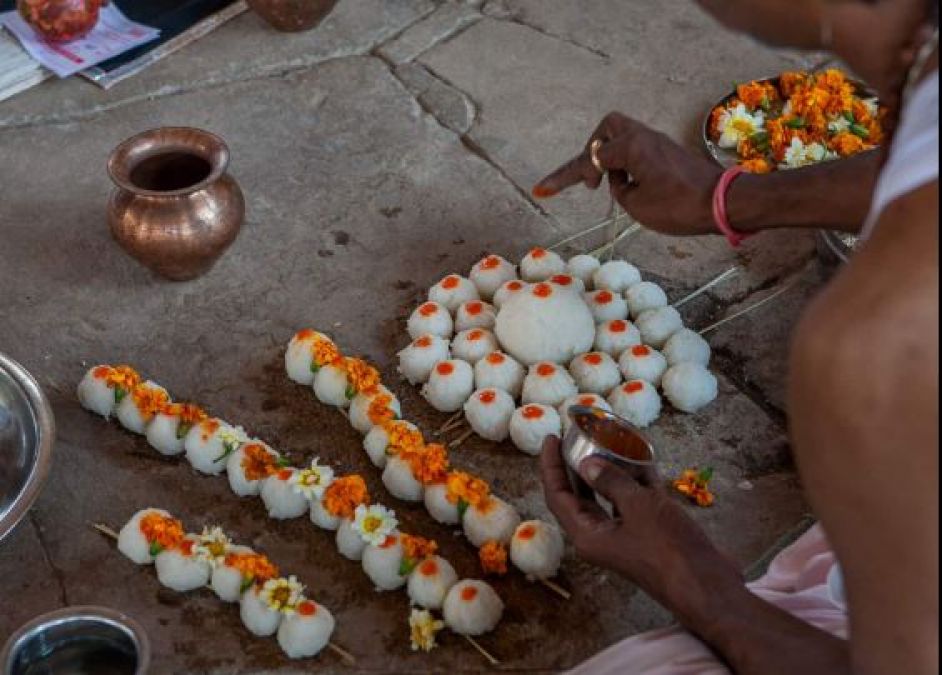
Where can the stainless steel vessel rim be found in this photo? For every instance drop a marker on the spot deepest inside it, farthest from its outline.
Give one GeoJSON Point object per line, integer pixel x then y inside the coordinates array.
{"type": "Point", "coordinates": [612, 417]}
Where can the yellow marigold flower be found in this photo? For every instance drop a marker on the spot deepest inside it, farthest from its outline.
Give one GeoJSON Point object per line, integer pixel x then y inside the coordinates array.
{"type": "Point", "coordinates": [161, 532]}
{"type": "Point", "coordinates": [122, 377]}
{"type": "Point", "coordinates": [361, 375]}
{"type": "Point", "coordinates": [324, 352]}
{"type": "Point", "coordinates": [758, 165]}
{"type": "Point", "coordinates": [253, 567]}
{"type": "Point", "coordinates": [463, 488]}
{"type": "Point", "coordinates": [380, 410]}
{"type": "Point", "coordinates": [402, 437]}
{"type": "Point", "coordinates": [416, 549]}
{"type": "Point", "coordinates": [429, 463]}
{"type": "Point", "coordinates": [493, 556]}
{"type": "Point", "coordinates": [422, 629]}
{"type": "Point", "coordinates": [344, 495]}
{"type": "Point", "coordinates": [149, 400]}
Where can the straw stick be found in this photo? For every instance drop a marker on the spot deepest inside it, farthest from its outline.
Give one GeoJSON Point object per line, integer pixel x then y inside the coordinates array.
{"type": "Point", "coordinates": [449, 423]}
{"type": "Point", "coordinates": [731, 272]}
{"type": "Point", "coordinates": [486, 654]}
{"type": "Point", "coordinates": [631, 229]}
{"type": "Point", "coordinates": [105, 530]}
{"type": "Point", "coordinates": [461, 439]}
{"type": "Point", "coordinates": [748, 309]}
{"type": "Point", "coordinates": [556, 588]}
{"type": "Point", "coordinates": [595, 228]}
{"type": "Point", "coordinates": [343, 653]}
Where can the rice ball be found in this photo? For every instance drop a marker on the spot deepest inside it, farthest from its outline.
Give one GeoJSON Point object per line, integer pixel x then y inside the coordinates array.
{"type": "Point", "coordinates": [689, 386]}
{"type": "Point", "coordinates": [507, 290]}
{"type": "Point", "coordinates": [492, 520]}
{"type": "Point", "coordinates": [331, 384]}
{"type": "Point", "coordinates": [323, 518]}
{"type": "Point", "coordinates": [642, 363]}
{"type": "Point", "coordinates": [417, 360]}
{"type": "Point", "coordinates": [614, 337]}
{"type": "Point", "coordinates": [430, 318]}
{"type": "Point", "coordinates": [531, 424]}
{"type": "Point", "coordinates": [490, 273]}
{"type": "Point", "coordinates": [349, 542]}
{"type": "Point", "coordinates": [248, 465]}
{"type": "Point", "coordinates": [657, 325]}
{"type": "Point", "coordinates": [548, 384]}
{"type": "Point", "coordinates": [280, 497]}
{"type": "Point", "coordinates": [439, 506]}
{"type": "Point", "coordinates": [226, 580]}
{"type": "Point", "coordinates": [584, 400]}
{"type": "Point", "coordinates": [430, 581]}
{"type": "Point", "coordinates": [449, 385]}
{"type": "Point", "coordinates": [475, 314]}
{"type": "Point", "coordinates": [95, 394]}
{"type": "Point", "coordinates": [637, 402]}
{"type": "Point", "coordinates": [616, 276]}
{"type": "Point", "coordinates": [209, 443]}
{"type": "Point", "coordinates": [376, 442]}
{"type": "Point", "coordinates": [537, 549]}
{"type": "Point", "coordinates": [258, 618]}
{"type": "Point", "coordinates": [131, 539]}
{"type": "Point", "coordinates": [687, 346]}
{"type": "Point", "coordinates": [299, 357]}
{"type": "Point", "coordinates": [453, 291]}
{"type": "Point", "coordinates": [360, 408]}
{"type": "Point", "coordinates": [499, 371]}
{"type": "Point", "coordinates": [180, 570]}
{"type": "Point", "coordinates": [305, 632]}
{"type": "Point", "coordinates": [382, 563]}
{"type": "Point", "coordinates": [605, 305]}
{"type": "Point", "coordinates": [472, 608]}
{"type": "Point", "coordinates": [567, 282]}
{"type": "Point", "coordinates": [644, 296]}
{"type": "Point", "coordinates": [540, 264]}
{"type": "Point", "coordinates": [138, 407]}
{"type": "Point", "coordinates": [473, 345]}
{"type": "Point", "coordinates": [545, 324]}
{"type": "Point", "coordinates": [583, 267]}
{"type": "Point", "coordinates": [595, 373]}
{"type": "Point", "coordinates": [162, 434]}
{"type": "Point", "coordinates": [488, 411]}
{"type": "Point", "coordinates": [399, 480]}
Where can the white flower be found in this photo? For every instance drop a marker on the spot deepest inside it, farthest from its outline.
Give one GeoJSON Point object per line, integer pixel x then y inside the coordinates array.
{"type": "Point", "coordinates": [738, 125]}
{"type": "Point", "coordinates": [314, 481]}
{"type": "Point", "coordinates": [839, 125]}
{"type": "Point", "coordinates": [282, 595]}
{"type": "Point", "coordinates": [232, 437]}
{"type": "Point", "coordinates": [422, 629]}
{"type": "Point", "coordinates": [798, 154]}
{"type": "Point", "coordinates": [374, 523]}
{"type": "Point", "coordinates": [212, 546]}
{"type": "Point", "coordinates": [873, 106]}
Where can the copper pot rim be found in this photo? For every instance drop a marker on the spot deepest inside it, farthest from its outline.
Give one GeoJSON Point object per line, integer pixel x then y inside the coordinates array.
{"type": "Point", "coordinates": [130, 152]}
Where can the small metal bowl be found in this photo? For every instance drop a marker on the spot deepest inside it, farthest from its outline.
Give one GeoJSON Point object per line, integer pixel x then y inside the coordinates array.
{"type": "Point", "coordinates": [78, 640]}
{"type": "Point", "coordinates": [597, 433]}
{"type": "Point", "coordinates": [27, 432]}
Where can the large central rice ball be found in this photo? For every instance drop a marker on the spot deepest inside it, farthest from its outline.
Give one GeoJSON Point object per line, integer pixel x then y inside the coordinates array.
{"type": "Point", "coordinates": [545, 323]}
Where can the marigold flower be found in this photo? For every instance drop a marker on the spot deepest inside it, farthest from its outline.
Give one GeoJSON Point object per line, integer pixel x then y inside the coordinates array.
{"type": "Point", "coordinates": [324, 353]}
{"type": "Point", "coordinates": [757, 165]}
{"type": "Point", "coordinates": [149, 400]}
{"type": "Point", "coordinates": [258, 462]}
{"type": "Point", "coordinates": [757, 94]}
{"type": "Point", "coordinates": [254, 567]}
{"type": "Point", "coordinates": [429, 463]}
{"type": "Point", "coordinates": [344, 495]}
{"type": "Point", "coordinates": [416, 549]}
{"type": "Point", "coordinates": [124, 378]}
{"type": "Point", "coordinates": [422, 629]}
{"type": "Point", "coordinates": [466, 490]}
{"type": "Point", "coordinates": [361, 376]}
{"type": "Point", "coordinates": [694, 485]}
{"type": "Point", "coordinates": [380, 410]}
{"type": "Point", "coordinates": [846, 144]}
{"type": "Point", "coordinates": [402, 437]}
{"type": "Point", "coordinates": [161, 532]}
{"type": "Point", "coordinates": [493, 557]}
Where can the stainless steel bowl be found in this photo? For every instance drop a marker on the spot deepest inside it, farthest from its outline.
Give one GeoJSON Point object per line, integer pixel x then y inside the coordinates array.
{"type": "Point", "coordinates": [27, 432]}
{"type": "Point", "coordinates": [78, 640]}
{"type": "Point", "coordinates": [598, 433]}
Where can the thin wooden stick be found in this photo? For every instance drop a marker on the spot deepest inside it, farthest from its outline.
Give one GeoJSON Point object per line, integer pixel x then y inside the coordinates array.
{"type": "Point", "coordinates": [486, 654]}
{"type": "Point", "coordinates": [631, 229]}
{"type": "Point", "coordinates": [343, 653]}
{"type": "Point", "coordinates": [731, 272]}
{"type": "Point", "coordinates": [556, 588]}
{"type": "Point", "coordinates": [105, 530]}
{"type": "Point", "coordinates": [451, 420]}
{"type": "Point", "coordinates": [595, 228]}
{"type": "Point", "coordinates": [451, 426]}
{"type": "Point", "coordinates": [748, 309]}
{"type": "Point", "coordinates": [461, 439]}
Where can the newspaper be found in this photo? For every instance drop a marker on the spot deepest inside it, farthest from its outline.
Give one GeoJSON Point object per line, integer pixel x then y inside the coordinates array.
{"type": "Point", "coordinates": [18, 70]}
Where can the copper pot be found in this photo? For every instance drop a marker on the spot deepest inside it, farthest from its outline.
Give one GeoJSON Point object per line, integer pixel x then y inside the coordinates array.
{"type": "Point", "coordinates": [175, 209]}
{"type": "Point", "coordinates": [292, 15]}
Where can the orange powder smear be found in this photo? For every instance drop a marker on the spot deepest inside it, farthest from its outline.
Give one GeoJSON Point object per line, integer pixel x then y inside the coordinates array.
{"type": "Point", "coordinates": [423, 342]}
{"type": "Point", "coordinates": [474, 308]}
{"type": "Point", "coordinates": [428, 309]}
{"type": "Point", "coordinates": [475, 335]}
{"type": "Point", "coordinates": [491, 262]}
{"type": "Point", "coordinates": [344, 495]}
{"type": "Point", "coordinates": [468, 594]}
{"type": "Point", "coordinates": [587, 401]}
{"type": "Point", "coordinates": [538, 253]}
{"type": "Point", "coordinates": [186, 547]}
{"type": "Point", "coordinates": [641, 350]}
{"type": "Point", "coordinates": [429, 568]}
{"type": "Point", "coordinates": [495, 358]}
{"type": "Point", "coordinates": [514, 285]}
{"type": "Point", "coordinates": [526, 532]}
{"type": "Point", "coordinates": [101, 372]}
{"type": "Point", "coordinates": [445, 368]}
{"type": "Point", "coordinates": [593, 359]}
{"type": "Point", "coordinates": [390, 541]}
{"type": "Point", "coordinates": [532, 412]}
{"type": "Point", "coordinates": [285, 474]}
{"type": "Point", "coordinates": [304, 334]}
{"type": "Point", "coordinates": [257, 462]}
{"type": "Point", "coordinates": [487, 396]}
{"type": "Point", "coordinates": [546, 370]}
{"type": "Point", "coordinates": [634, 387]}
{"type": "Point", "coordinates": [307, 608]}
{"type": "Point", "coordinates": [618, 326]}
{"type": "Point", "coordinates": [542, 290]}
{"type": "Point", "coordinates": [562, 280]}
{"type": "Point", "coordinates": [603, 297]}
{"type": "Point", "coordinates": [208, 428]}
{"type": "Point", "coordinates": [451, 282]}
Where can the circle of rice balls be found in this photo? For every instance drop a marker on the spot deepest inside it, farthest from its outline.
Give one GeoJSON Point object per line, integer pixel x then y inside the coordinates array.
{"type": "Point", "coordinates": [382, 563]}
{"type": "Point", "coordinates": [401, 482]}
{"type": "Point", "coordinates": [475, 314]}
{"type": "Point", "coordinates": [545, 324]}
{"type": "Point", "coordinates": [299, 357]}
{"type": "Point", "coordinates": [540, 264]}
{"type": "Point", "coordinates": [637, 402]}
{"type": "Point", "coordinates": [536, 549]}
{"type": "Point", "coordinates": [689, 386]}
{"type": "Point", "coordinates": [595, 373]}
{"type": "Point", "coordinates": [606, 305]}
{"type": "Point", "coordinates": [548, 384]}
{"type": "Point", "coordinates": [140, 405]}
{"type": "Point", "coordinates": [306, 631]}
{"type": "Point", "coordinates": [349, 542]}
{"type": "Point", "coordinates": [687, 346]}
{"type": "Point", "coordinates": [376, 441]}
{"type": "Point", "coordinates": [280, 497]}
{"type": "Point", "coordinates": [583, 267]}
{"type": "Point", "coordinates": [248, 465]}
{"type": "Point", "coordinates": [531, 424]}
{"type": "Point", "coordinates": [472, 608]}
{"type": "Point", "coordinates": [430, 318]}
{"type": "Point", "coordinates": [491, 520]}
{"type": "Point", "coordinates": [643, 296]}
{"type": "Point", "coordinates": [657, 325]}
{"type": "Point", "coordinates": [567, 282]}
{"type": "Point", "coordinates": [449, 385]}
{"type": "Point", "coordinates": [642, 363]}
{"type": "Point", "coordinates": [507, 290]}
{"type": "Point", "coordinates": [614, 337]}
{"type": "Point", "coordinates": [362, 402]}
{"type": "Point", "coordinates": [132, 541]}
{"type": "Point", "coordinates": [442, 509]}
{"type": "Point", "coordinates": [616, 276]}
{"type": "Point", "coordinates": [180, 569]}
{"type": "Point", "coordinates": [490, 273]}
{"type": "Point", "coordinates": [584, 400]}
{"type": "Point", "coordinates": [331, 384]}
{"type": "Point", "coordinates": [430, 582]}
{"type": "Point", "coordinates": [417, 360]}
{"type": "Point", "coordinates": [488, 411]}
{"type": "Point", "coordinates": [453, 291]}
{"type": "Point", "coordinates": [473, 344]}
{"type": "Point", "coordinates": [499, 371]}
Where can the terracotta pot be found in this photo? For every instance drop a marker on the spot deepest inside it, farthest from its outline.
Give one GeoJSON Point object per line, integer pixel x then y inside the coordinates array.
{"type": "Point", "coordinates": [175, 209]}
{"type": "Point", "coordinates": [60, 20]}
{"type": "Point", "coordinates": [292, 15]}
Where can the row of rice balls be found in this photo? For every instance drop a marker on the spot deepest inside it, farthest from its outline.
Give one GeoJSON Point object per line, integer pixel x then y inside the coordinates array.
{"type": "Point", "coordinates": [365, 532]}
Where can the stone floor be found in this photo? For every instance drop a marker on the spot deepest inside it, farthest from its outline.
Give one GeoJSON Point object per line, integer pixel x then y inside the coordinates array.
{"type": "Point", "coordinates": [393, 144]}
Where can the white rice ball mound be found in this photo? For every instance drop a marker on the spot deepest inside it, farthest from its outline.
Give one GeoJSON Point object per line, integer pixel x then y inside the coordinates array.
{"type": "Point", "coordinates": [687, 346]}
{"type": "Point", "coordinates": [94, 393]}
{"type": "Point", "coordinates": [644, 296]}
{"type": "Point", "coordinates": [508, 290]}
{"type": "Point", "coordinates": [475, 314]}
{"type": "Point", "coordinates": [616, 276]}
{"type": "Point", "coordinates": [430, 581]}
{"type": "Point", "coordinates": [545, 324]}
{"type": "Point", "coordinates": [349, 542]}
{"type": "Point", "coordinates": [567, 282]}
{"type": "Point", "coordinates": [657, 325]}
{"type": "Point", "coordinates": [360, 408]}
{"type": "Point", "coordinates": [472, 607]}
{"type": "Point", "coordinates": [583, 267]}
{"type": "Point", "coordinates": [132, 542]}
{"type": "Point", "coordinates": [490, 273]}
{"type": "Point", "coordinates": [204, 446]}
{"type": "Point", "coordinates": [488, 411]}
{"type": "Point", "coordinates": [279, 496]}
{"type": "Point", "coordinates": [240, 484]}
{"type": "Point", "coordinates": [584, 400]}
{"type": "Point", "coordinates": [595, 373]}
{"type": "Point", "coordinates": [299, 356]}
{"type": "Point", "coordinates": [531, 424]}
{"type": "Point", "coordinates": [330, 385]}
{"type": "Point", "coordinates": [643, 363]}
{"type": "Point", "coordinates": [417, 360]}
{"type": "Point", "coordinates": [449, 385]}
{"type": "Point", "coordinates": [548, 384]}
{"type": "Point", "coordinates": [376, 443]}
{"type": "Point", "coordinates": [381, 563]}
{"type": "Point", "coordinates": [537, 549]}
{"type": "Point", "coordinates": [226, 581]}
{"type": "Point", "coordinates": [606, 305]}
{"type": "Point", "coordinates": [128, 413]}
{"type": "Point", "coordinates": [398, 479]}
{"type": "Point", "coordinates": [614, 337]}
{"type": "Point", "coordinates": [499, 371]}
{"type": "Point", "coordinates": [161, 434]}
{"type": "Point", "coordinates": [323, 518]}
{"type": "Point", "coordinates": [302, 635]}
{"type": "Point", "coordinates": [430, 318]}
{"type": "Point", "coordinates": [258, 618]}
{"type": "Point", "coordinates": [637, 402]}
{"type": "Point", "coordinates": [473, 344]}
{"type": "Point", "coordinates": [540, 264]}
{"type": "Point", "coordinates": [494, 520]}
{"type": "Point", "coordinates": [453, 291]}
{"type": "Point", "coordinates": [438, 506]}
{"type": "Point", "coordinates": [689, 386]}
{"type": "Point", "coordinates": [181, 573]}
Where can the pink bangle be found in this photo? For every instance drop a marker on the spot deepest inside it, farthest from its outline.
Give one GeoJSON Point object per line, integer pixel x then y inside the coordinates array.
{"type": "Point", "coordinates": [720, 216]}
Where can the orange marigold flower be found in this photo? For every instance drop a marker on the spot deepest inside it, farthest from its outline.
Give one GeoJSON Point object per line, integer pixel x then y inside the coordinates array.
{"type": "Point", "coordinates": [747, 149]}
{"type": "Point", "coordinates": [362, 376]}
{"type": "Point", "coordinates": [464, 488]}
{"type": "Point", "coordinates": [757, 94]}
{"type": "Point", "coordinates": [493, 557]}
{"type": "Point", "coordinates": [161, 532]}
{"type": "Point", "coordinates": [253, 567]}
{"type": "Point", "coordinates": [324, 352]}
{"type": "Point", "coordinates": [695, 486]}
{"type": "Point", "coordinates": [189, 413]}
{"type": "Point", "coordinates": [149, 400]}
{"type": "Point", "coordinates": [416, 548]}
{"type": "Point", "coordinates": [757, 165]}
{"type": "Point", "coordinates": [846, 144]}
{"type": "Point", "coordinates": [380, 410]}
{"type": "Point", "coordinates": [429, 463]}
{"type": "Point", "coordinates": [402, 437]}
{"type": "Point", "coordinates": [258, 462]}
{"type": "Point", "coordinates": [715, 118]}
{"type": "Point", "coordinates": [789, 83]}
{"type": "Point", "coordinates": [833, 80]}
{"type": "Point", "coordinates": [122, 377]}
{"type": "Point", "coordinates": [344, 495]}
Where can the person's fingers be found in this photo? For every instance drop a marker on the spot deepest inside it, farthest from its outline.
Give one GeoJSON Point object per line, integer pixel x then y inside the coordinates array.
{"type": "Point", "coordinates": [609, 480]}
{"type": "Point", "coordinates": [574, 515]}
{"type": "Point", "coordinates": [577, 170]}
{"type": "Point", "coordinates": [624, 190]}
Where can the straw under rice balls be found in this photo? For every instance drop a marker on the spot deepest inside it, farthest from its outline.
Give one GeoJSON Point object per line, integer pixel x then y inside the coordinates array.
{"type": "Point", "coordinates": [642, 363]}
{"type": "Point", "coordinates": [548, 384]}
{"type": "Point", "coordinates": [657, 325]}
{"type": "Point", "coordinates": [472, 608]}
{"type": "Point", "coordinates": [430, 318]}
{"type": "Point", "coordinates": [180, 570]}
{"type": "Point", "coordinates": [643, 296]}
{"type": "Point", "coordinates": [331, 384]}
{"type": "Point", "coordinates": [614, 337]}
{"type": "Point", "coordinates": [475, 314]}
{"type": "Point", "coordinates": [636, 401]}
{"type": "Point", "coordinates": [583, 267]}
{"type": "Point", "coordinates": [438, 505]}
{"type": "Point", "coordinates": [687, 346]}
{"type": "Point", "coordinates": [473, 345]}
{"type": "Point", "coordinates": [606, 305]}
{"type": "Point", "coordinates": [430, 581]}
{"type": "Point", "coordinates": [595, 373]}
{"type": "Point", "coordinates": [306, 631]}
{"type": "Point", "coordinates": [540, 264]}
{"type": "Point", "coordinates": [490, 273]}
{"type": "Point", "coordinates": [531, 424]}
{"type": "Point", "coordinates": [536, 549]}
{"type": "Point", "coordinates": [492, 520]}
{"type": "Point", "coordinates": [382, 563]}
{"type": "Point", "coordinates": [584, 400]}
{"type": "Point", "coordinates": [689, 386]}
{"type": "Point", "coordinates": [499, 371]}
{"type": "Point", "coordinates": [449, 385]}
{"type": "Point", "coordinates": [488, 411]}
{"type": "Point", "coordinates": [453, 291]}
{"type": "Point", "coordinates": [616, 276]}
{"type": "Point", "coordinates": [399, 480]}
{"type": "Point", "coordinates": [417, 360]}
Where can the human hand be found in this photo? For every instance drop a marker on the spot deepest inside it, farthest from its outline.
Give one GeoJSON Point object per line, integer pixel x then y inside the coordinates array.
{"type": "Point", "coordinates": [660, 184]}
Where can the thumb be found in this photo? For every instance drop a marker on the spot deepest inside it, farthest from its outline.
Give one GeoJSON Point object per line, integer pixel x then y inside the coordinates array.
{"type": "Point", "coordinates": [608, 479]}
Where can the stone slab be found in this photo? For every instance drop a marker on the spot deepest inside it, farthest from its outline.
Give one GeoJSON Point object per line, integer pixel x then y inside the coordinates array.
{"type": "Point", "coordinates": [444, 22]}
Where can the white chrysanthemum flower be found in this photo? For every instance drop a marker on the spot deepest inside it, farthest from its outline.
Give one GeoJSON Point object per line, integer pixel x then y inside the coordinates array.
{"type": "Point", "coordinates": [232, 438]}
{"type": "Point", "coordinates": [872, 105]}
{"type": "Point", "coordinates": [422, 629]}
{"type": "Point", "coordinates": [282, 595]}
{"type": "Point", "coordinates": [838, 125]}
{"type": "Point", "coordinates": [738, 125]}
{"type": "Point", "coordinates": [212, 546]}
{"type": "Point", "coordinates": [312, 482]}
{"type": "Point", "coordinates": [374, 523]}
{"type": "Point", "coordinates": [799, 154]}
